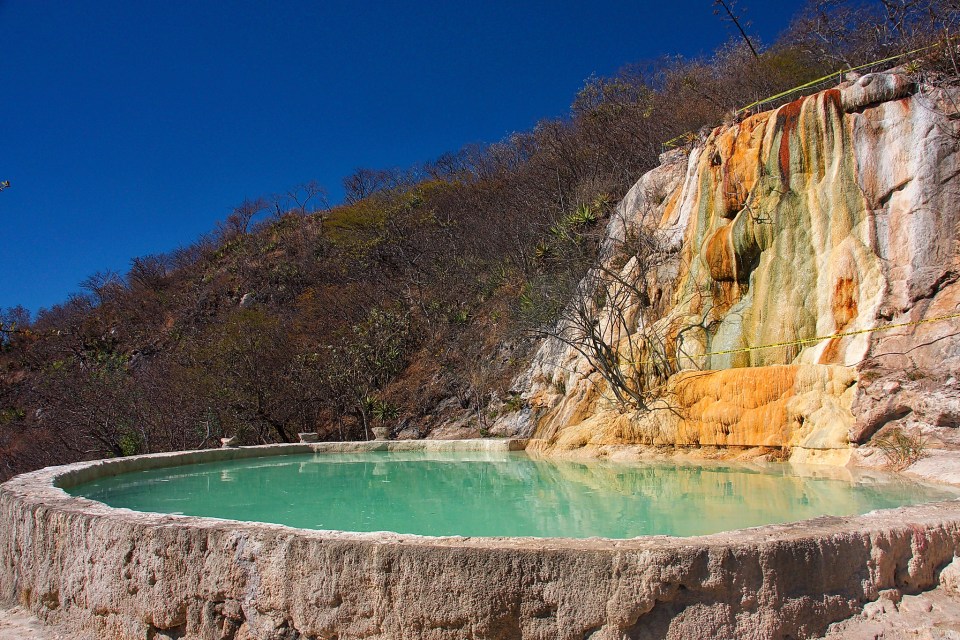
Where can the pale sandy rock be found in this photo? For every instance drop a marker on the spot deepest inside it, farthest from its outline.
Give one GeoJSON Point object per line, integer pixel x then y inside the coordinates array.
{"type": "Point", "coordinates": [938, 466]}
{"type": "Point", "coordinates": [929, 615]}
{"type": "Point", "coordinates": [950, 577]}
{"type": "Point", "coordinates": [874, 88]}
{"type": "Point", "coordinates": [466, 427]}
{"type": "Point", "coordinates": [511, 424]}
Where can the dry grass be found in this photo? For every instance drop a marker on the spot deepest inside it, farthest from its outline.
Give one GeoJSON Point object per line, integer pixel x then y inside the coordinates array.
{"type": "Point", "coordinates": [901, 448]}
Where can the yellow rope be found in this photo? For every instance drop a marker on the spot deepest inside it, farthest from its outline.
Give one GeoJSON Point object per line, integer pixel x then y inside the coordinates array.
{"type": "Point", "coordinates": [788, 343]}
{"type": "Point", "coordinates": [835, 73]}
{"type": "Point", "coordinates": [812, 83]}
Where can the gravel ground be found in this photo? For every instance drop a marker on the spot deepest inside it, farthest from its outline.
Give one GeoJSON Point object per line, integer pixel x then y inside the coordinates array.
{"type": "Point", "coordinates": [932, 615]}
{"type": "Point", "coordinates": [17, 624]}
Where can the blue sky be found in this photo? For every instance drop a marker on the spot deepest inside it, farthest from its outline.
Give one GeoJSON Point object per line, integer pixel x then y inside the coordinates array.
{"type": "Point", "coordinates": [131, 127]}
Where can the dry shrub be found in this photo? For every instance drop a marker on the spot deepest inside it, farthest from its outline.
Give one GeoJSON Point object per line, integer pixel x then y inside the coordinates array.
{"type": "Point", "coordinates": [901, 447]}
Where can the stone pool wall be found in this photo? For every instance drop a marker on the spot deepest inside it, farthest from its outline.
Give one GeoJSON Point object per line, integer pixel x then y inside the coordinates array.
{"type": "Point", "coordinates": [117, 574]}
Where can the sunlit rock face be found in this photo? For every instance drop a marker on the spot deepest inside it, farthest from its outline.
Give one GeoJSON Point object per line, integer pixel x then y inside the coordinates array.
{"type": "Point", "coordinates": [836, 213]}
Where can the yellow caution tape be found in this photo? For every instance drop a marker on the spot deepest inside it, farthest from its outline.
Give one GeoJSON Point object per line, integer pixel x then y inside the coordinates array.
{"type": "Point", "coordinates": [845, 334]}
{"type": "Point", "coordinates": [835, 73]}
{"type": "Point", "coordinates": [812, 83]}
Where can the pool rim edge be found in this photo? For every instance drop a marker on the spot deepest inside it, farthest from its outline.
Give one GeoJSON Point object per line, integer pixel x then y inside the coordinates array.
{"type": "Point", "coordinates": [45, 488]}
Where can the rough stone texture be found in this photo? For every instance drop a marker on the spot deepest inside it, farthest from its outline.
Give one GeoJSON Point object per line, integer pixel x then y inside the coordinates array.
{"type": "Point", "coordinates": [836, 213]}
{"type": "Point", "coordinates": [116, 574]}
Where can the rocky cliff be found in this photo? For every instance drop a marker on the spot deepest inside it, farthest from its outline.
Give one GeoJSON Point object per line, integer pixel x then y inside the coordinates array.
{"type": "Point", "coordinates": [835, 214]}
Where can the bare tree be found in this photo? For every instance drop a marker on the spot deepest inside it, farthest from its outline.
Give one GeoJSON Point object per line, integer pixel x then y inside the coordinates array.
{"type": "Point", "coordinates": [149, 272]}
{"type": "Point", "coordinates": [728, 6]}
{"type": "Point", "coordinates": [13, 321]}
{"type": "Point", "coordinates": [239, 220]}
{"type": "Point", "coordinates": [301, 199]}
{"type": "Point", "coordinates": [609, 323]}
{"type": "Point", "coordinates": [363, 183]}
{"type": "Point", "coordinates": [102, 285]}
{"type": "Point", "coordinates": [856, 33]}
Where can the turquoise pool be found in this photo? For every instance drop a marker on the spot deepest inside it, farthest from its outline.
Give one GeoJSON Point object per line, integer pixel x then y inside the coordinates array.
{"type": "Point", "coordinates": [502, 494]}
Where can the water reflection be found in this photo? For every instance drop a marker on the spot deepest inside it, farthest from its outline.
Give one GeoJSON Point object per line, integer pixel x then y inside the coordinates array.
{"type": "Point", "coordinates": [505, 494]}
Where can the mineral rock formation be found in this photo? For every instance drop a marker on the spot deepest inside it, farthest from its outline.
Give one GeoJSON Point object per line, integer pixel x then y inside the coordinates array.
{"type": "Point", "coordinates": [835, 214]}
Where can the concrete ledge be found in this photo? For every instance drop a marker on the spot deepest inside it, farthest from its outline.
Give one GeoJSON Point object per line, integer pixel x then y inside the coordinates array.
{"type": "Point", "coordinates": [118, 574]}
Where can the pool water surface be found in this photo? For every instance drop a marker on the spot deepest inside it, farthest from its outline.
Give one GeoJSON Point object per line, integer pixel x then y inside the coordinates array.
{"type": "Point", "coordinates": [503, 494]}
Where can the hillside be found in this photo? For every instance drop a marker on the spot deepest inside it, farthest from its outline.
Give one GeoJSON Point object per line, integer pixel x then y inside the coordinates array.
{"type": "Point", "coordinates": [421, 301]}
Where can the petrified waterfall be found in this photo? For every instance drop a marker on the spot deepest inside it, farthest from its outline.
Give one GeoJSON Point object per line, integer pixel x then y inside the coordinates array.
{"type": "Point", "coordinates": [834, 214]}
